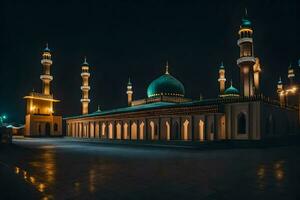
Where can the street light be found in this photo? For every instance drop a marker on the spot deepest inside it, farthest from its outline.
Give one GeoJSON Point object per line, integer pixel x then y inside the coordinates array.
{"type": "Point", "coordinates": [2, 118]}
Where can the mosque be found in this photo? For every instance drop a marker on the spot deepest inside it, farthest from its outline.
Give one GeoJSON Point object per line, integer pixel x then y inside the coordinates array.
{"type": "Point", "coordinates": [167, 114]}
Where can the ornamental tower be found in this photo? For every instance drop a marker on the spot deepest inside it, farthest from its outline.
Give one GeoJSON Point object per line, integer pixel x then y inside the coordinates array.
{"type": "Point", "coordinates": [280, 92]}
{"type": "Point", "coordinates": [222, 79]}
{"type": "Point", "coordinates": [246, 59]}
{"type": "Point", "coordinates": [129, 93]}
{"type": "Point", "coordinates": [46, 76]}
{"type": "Point", "coordinates": [41, 118]}
{"type": "Point", "coordinates": [85, 87]}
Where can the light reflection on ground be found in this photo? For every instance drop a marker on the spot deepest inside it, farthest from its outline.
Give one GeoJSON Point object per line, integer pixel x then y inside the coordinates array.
{"type": "Point", "coordinates": [61, 169]}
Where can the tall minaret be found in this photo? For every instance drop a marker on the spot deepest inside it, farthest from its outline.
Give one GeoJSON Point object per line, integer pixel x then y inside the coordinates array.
{"type": "Point", "coordinates": [256, 71]}
{"type": "Point", "coordinates": [246, 59]}
{"type": "Point", "coordinates": [129, 93]}
{"type": "Point", "coordinates": [222, 79]}
{"type": "Point", "coordinates": [280, 92]}
{"type": "Point", "coordinates": [291, 74]}
{"type": "Point", "coordinates": [46, 76]}
{"type": "Point", "coordinates": [85, 87]}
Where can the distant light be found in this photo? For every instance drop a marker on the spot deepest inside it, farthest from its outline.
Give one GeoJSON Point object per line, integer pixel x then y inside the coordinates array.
{"type": "Point", "coordinates": [4, 117]}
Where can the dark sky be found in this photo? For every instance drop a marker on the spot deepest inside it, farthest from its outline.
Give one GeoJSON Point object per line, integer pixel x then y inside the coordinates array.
{"type": "Point", "coordinates": [123, 38]}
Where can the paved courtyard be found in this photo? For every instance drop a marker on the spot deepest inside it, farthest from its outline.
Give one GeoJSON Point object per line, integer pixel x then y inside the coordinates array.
{"type": "Point", "coordinates": [64, 169]}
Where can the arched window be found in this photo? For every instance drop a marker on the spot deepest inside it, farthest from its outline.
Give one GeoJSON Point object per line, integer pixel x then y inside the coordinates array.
{"type": "Point", "coordinates": [118, 131]}
{"type": "Point", "coordinates": [201, 130]}
{"type": "Point", "coordinates": [55, 127]}
{"type": "Point", "coordinates": [152, 128]}
{"type": "Point", "coordinates": [110, 128]}
{"type": "Point", "coordinates": [133, 131]}
{"type": "Point", "coordinates": [125, 127]}
{"type": "Point", "coordinates": [241, 123]}
{"type": "Point", "coordinates": [168, 131]}
{"type": "Point", "coordinates": [103, 129]}
{"type": "Point", "coordinates": [142, 131]}
{"type": "Point", "coordinates": [186, 130]}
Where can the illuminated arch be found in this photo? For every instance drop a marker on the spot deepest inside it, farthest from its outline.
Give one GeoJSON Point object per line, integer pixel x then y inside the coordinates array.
{"type": "Point", "coordinates": [168, 131]}
{"type": "Point", "coordinates": [186, 130]}
{"type": "Point", "coordinates": [133, 131]}
{"type": "Point", "coordinates": [118, 127]}
{"type": "Point", "coordinates": [141, 131]}
{"type": "Point", "coordinates": [201, 130]}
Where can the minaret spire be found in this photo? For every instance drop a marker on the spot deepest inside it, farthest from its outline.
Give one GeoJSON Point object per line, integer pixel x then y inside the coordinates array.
{"type": "Point", "coordinates": [167, 68]}
{"type": "Point", "coordinates": [85, 88]}
{"type": "Point", "coordinates": [129, 92]}
{"type": "Point", "coordinates": [46, 76]}
{"type": "Point", "coordinates": [221, 79]}
{"type": "Point", "coordinates": [246, 58]}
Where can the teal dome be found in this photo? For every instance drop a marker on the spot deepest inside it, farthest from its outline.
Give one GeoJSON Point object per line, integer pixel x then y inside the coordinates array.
{"type": "Point", "coordinates": [231, 91]}
{"type": "Point", "coordinates": [165, 85]}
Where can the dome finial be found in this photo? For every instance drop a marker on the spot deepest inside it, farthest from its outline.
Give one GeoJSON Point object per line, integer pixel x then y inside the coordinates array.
{"type": "Point", "coordinates": [167, 67]}
{"type": "Point", "coordinates": [129, 81]}
{"type": "Point", "coordinates": [246, 12]}
{"type": "Point", "coordinates": [279, 81]}
{"type": "Point", "coordinates": [85, 61]}
{"type": "Point", "coordinates": [230, 82]}
{"type": "Point", "coordinates": [98, 108]}
{"type": "Point", "coordinates": [47, 48]}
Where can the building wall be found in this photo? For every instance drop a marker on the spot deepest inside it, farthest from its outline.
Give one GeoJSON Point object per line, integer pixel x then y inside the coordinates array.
{"type": "Point", "coordinates": [278, 122]}
{"type": "Point", "coordinates": [240, 121]}
{"type": "Point", "coordinates": [40, 125]}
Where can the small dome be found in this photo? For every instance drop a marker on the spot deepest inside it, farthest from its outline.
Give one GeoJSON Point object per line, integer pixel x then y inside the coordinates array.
{"type": "Point", "coordinates": [231, 91]}
{"type": "Point", "coordinates": [246, 23]}
{"type": "Point", "coordinates": [166, 85]}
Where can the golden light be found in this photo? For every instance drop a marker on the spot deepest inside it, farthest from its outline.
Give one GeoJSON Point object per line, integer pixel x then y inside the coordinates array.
{"type": "Point", "coordinates": [17, 170]}
{"type": "Point", "coordinates": [41, 187]}
{"type": "Point", "coordinates": [32, 179]}
{"type": "Point", "coordinates": [32, 108]}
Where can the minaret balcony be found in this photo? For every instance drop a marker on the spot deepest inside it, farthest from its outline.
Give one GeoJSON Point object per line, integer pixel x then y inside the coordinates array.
{"type": "Point", "coordinates": [85, 74]}
{"type": "Point", "coordinates": [85, 100]}
{"type": "Point", "coordinates": [221, 79]}
{"type": "Point", "coordinates": [46, 77]}
{"type": "Point", "coordinates": [243, 40]}
{"type": "Point", "coordinates": [85, 88]}
{"type": "Point", "coordinates": [246, 59]}
{"type": "Point", "coordinates": [46, 61]}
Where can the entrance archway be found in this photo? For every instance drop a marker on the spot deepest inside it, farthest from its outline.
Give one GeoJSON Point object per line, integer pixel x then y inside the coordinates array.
{"type": "Point", "coordinates": [47, 129]}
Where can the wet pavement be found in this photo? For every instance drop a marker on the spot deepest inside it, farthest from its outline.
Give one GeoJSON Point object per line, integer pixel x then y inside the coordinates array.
{"type": "Point", "coordinates": [64, 169]}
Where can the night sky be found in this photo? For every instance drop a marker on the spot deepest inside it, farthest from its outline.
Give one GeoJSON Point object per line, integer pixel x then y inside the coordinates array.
{"type": "Point", "coordinates": [124, 38]}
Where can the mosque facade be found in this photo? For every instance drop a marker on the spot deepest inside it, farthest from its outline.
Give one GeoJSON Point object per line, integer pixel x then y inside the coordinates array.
{"type": "Point", "coordinates": [167, 114]}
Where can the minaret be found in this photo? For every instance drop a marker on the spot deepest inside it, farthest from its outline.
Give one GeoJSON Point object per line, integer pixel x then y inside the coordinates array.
{"type": "Point", "coordinates": [46, 76]}
{"type": "Point", "coordinates": [222, 79]}
{"type": "Point", "coordinates": [85, 87]}
{"type": "Point", "coordinates": [280, 92]}
{"type": "Point", "coordinates": [291, 74]}
{"type": "Point", "coordinates": [256, 71]}
{"type": "Point", "coordinates": [246, 59]}
{"type": "Point", "coordinates": [129, 93]}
